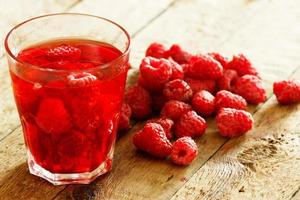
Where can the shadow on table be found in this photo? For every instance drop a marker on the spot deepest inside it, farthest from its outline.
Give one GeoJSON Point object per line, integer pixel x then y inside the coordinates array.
{"type": "Point", "coordinates": [20, 184]}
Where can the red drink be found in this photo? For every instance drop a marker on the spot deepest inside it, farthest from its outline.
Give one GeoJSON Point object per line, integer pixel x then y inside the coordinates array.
{"type": "Point", "coordinates": [68, 88]}
{"type": "Point", "coordinates": [69, 121]}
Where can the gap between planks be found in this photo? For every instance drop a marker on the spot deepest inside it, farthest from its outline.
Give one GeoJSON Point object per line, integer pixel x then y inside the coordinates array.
{"type": "Point", "coordinates": [257, 108]}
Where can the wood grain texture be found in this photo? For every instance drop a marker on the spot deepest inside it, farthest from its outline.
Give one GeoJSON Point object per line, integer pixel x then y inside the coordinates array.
{"type": "Point", "coordinates": [161, 180]}
{"type": "Point", "coordinates": [268, 171]}
{"type": "Point", "coordinates": [14, 12]}
{"type": "Point", "coordinates": [261, 29]}
{"type": "Point", "coordinates": [133, 15]}
{"type": "Point", "coordinates": [15, 180]}
{"type": "Point", "coordinates": [260, 165]}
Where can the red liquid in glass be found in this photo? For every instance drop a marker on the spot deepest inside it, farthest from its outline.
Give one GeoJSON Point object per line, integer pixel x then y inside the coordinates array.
{"type": "Point", "coordinates": [69, 117]}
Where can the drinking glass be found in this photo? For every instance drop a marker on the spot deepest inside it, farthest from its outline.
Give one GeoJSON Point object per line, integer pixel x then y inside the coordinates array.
{"type": "Point", "coordinates": [69, 130]}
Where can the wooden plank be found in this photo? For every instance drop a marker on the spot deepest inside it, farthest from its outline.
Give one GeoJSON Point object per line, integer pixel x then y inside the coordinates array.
{"type": "Point", "coordinates": [227, 175]}
{"type": "Point", "coordinates": [260, 165]}
{"type": "Point", "coordinates": [15, 11]}
{"type": "Point", "coordinates": [149, 178]}
{"type": "Point", "coordinates": [125, 14]}
{"type": "Point", "coordinates": [15, 179]}
{"type": "Point", "coordinates": [16, 182]}
{"type": "Point", "coordinates": [133, 15]}
{"type": "Point", "coordinates": [125, 152]}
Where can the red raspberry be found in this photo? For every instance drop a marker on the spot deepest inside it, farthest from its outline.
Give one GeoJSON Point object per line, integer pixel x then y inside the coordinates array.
{"type": "Point", "coordinates": [232, 122]}
{"type": "Point", "coordinates": [190, 124]}
{"type": "Point", "coordinates": [34, 56]}
{"type": "Point", "coordinates": [204, 103]}
{"type": "Point", "coordinates": [166, 123]}
{"type": "Point", "coordinates": [198, 85]}
{"type": "Point", "coordinates": [226, 99]}
{"type": "Point", "coordinates": [82, 79]}
{"type": "Point", "coordinates": [242, 65]}
{"type": "Point", "coordinates": [228, 79]}
{"type": "Point", "coordinates": [72, 145]}
{"type": "Point", "coordinates": [174, 109]}
{"type": "Point", "coordinates": [158, 102]}
{"type": "Point", "coordinates": [250, 87]}
{"type": "Point", "coordinates": [287, 92]}
{"type": "Point", "coordinates": [205, 67]}
{"type": "Point", "coordinates": [185, 67]}
{"type": "Point", "coordinates": [64, 52]}
{"type": "Point", "coordinates": [177, 90]}
{"type": "Point", "coordinates": [152, 139]}
{"type": "Point", "coordinates": [87, 110]}
{"type": "Point", "coordinates": [124, 120]}
{"type": "Point", "coordinates": [155, 73]}
{"type": "Point", "coordinates": [221, 59]}
{"type": "Point", "coordinates": [177, 70]}
{"type": "Point", "coordinates": [178, 54]}
{"type": "Point", "coordinates": [53, 117]}
{"type": "Point", "coordinates": [184, 151]}
{"type": "Point", "coordinates": [139, 101]}
{"type": "Point", "coordinates": [157, 50]}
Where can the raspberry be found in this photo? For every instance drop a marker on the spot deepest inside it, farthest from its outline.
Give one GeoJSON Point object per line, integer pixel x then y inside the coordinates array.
{"type": "Point", "coordinates": [225, 99]}
{"type": "Point", "coordinates": [155, 73]}
{"type": "Point", "coordinates": [152, 139]}
{"type": "Point", "coordinates": [64, 52]}
{"type": "Point", "coordinates": [72, 145]}
{"type": "Point", "coordinates": [287, 92]}
{"type": "Point", "coordinates": [228, 79]}
{"type": "Point", "coordinates": [174, 109]}
{"type": "Point", "coordinates": [178, 54]}
{"type": "Point", "coordinates": [53, 117]}
{"type": "Point", "coordinates": [242, 65]}
{"type": "Point", "coordinates": [157, 50]}
{"type": "Point", "coordinates": [198, 85]}
{"type": "Point", "coordinates": [250, 87]}
{"type": "Point", "coordinates": [166, 123]}
{"type": "Point", "coordinates": [205, 67]}
{"type": "Point", "coordinates": [184, 151]}
{"type": "Point", "coordinates": [232, 122]}
{"type": "Point", "coordinates": [177, 70]}
{"type": "Point", "coordinates": [190, 124]}
{"type": "Point", "coordinates": [82, 79]}
{"type": "Point", "coordinates": [124, 120]}
{"type": "Point", "coordinates": [185, 67]}
{"type": "Point", "coordinates": [177, 90]}
{"type": "Point", "coordinates": [204, 103]}
{"type": "Point", "coordinates": [34, 56]}
{"type": "Point", "coordinates": [139, 101]}
{"type": "Point", "coordinates": [65, 64]}
{"type": "Point", "coordinates": [87, 109]}
{"type": "Point", "coordinates": [221, 59]}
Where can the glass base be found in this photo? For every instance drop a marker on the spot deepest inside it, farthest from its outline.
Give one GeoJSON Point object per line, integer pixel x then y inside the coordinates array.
{"type": "Point", "coordinates": [70, 178]}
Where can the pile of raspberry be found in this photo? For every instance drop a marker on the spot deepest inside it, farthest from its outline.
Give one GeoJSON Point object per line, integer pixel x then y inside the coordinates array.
{"type": "Point", "coordinates": [185, 89]}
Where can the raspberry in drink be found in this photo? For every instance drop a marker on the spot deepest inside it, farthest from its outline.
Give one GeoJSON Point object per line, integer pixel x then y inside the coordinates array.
{"type": "Point", "coordinates": [69, 92]}
{"type": "Point", "coordinates": [69, 121]}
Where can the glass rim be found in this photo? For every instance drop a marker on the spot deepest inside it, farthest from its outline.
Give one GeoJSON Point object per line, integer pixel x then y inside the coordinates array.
{"type": "Point", "coordinates": [101, 66]}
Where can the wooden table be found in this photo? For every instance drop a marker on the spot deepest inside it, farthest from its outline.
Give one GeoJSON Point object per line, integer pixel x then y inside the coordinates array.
{"type": "Point", "coordinates": [264, 164]}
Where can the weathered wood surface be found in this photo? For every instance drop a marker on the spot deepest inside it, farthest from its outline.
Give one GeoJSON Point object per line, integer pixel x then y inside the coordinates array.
{"type": "Point", "coordinates": [263, 164]}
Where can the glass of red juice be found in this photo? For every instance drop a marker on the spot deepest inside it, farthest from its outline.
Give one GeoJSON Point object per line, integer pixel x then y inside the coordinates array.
{"type": "Point", "coordinates": [68, 76]}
